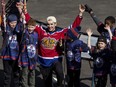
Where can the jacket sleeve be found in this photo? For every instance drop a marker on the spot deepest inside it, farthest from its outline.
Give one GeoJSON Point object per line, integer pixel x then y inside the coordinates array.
{"type": "Point", "coordinates": [95, 19]}
{"type": "Point", "coordinates": [77, 21]}
{"type": "Point", "coordinates": [84, 47]}
{"type": "Point", "coordinates": [100, 25]}
{"type": "Point", "coordinates": [27, 17]}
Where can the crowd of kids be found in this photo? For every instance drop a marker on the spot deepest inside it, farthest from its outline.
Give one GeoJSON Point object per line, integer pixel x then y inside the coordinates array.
{"type": "Point", "coordinates": [104, 53]}
{"type": "Point", "coordinates": [25, 43]}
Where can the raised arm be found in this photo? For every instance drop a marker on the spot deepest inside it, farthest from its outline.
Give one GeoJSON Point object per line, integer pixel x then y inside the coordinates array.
{"type": "Point", "coordinates": [23, 11]}
{"type": "Point", "coordinates": [89, 33]}
{"type": "Point", "coordinates": [3, 16]}
{"type": "Point", "coordinates": [107, 27]}
{"type": "Point", "coordinates": [94, 17]}
{"type": "Point", "coordinates": [79, 17]}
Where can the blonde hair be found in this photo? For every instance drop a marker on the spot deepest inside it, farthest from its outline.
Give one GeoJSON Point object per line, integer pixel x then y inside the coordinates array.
{"type": "Point", "coordinates": [51, 18]}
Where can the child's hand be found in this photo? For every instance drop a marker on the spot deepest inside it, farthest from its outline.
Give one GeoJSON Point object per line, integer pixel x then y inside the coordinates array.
{"type": "Point", "coordinates": [81, 8]}
{"type": "Point", "coordinates": [89, 32]}
{"type": "Point", "coordinates": [3, 4]}
{"type": "Point", "coordinates": [19, 5]}
{"type": "Point", "coordinates": [60, 42]}
{"type": "Point", "coordinates": [107, 27]}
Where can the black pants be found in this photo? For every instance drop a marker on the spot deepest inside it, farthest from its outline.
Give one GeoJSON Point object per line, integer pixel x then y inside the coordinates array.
{"type": "Point", "coordinates": [74, 78]}
{"type": "Point", "coordinates": [101, 81]}
{"type": "Point", "coordinates": [11, 73]}
{"type": "Point", "coordinates": [47, 74]}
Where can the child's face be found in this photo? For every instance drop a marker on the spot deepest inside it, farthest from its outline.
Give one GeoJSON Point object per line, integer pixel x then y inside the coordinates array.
{"type": "Point", "coordinates": [13, 24]}
{"type": "Point", "coordinates": [31, 28]}
{"type": "Point", "coordinates": [101, 45]}
{"type": "Point", "coordinates": [51, 25]}
{"type": "Point", "coordinates": [108, 22]}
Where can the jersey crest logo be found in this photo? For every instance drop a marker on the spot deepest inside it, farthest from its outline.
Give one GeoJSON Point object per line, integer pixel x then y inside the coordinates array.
{"type": "Point", "coordinates": [49, 43]}
{"type": "Point", "coordinates": [31, 51]}
{"type": "Point", "coordinates": [13, 41]}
